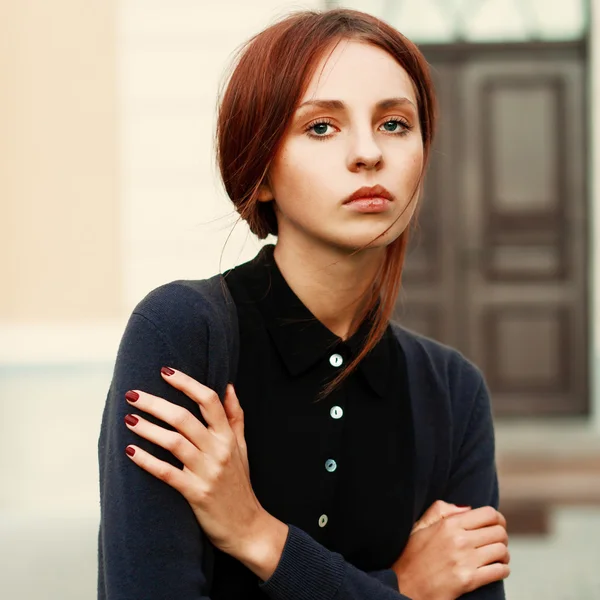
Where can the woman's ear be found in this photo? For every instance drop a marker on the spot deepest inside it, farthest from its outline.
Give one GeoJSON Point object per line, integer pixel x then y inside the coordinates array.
{"type": "Point", "coordinates": [264, 193]}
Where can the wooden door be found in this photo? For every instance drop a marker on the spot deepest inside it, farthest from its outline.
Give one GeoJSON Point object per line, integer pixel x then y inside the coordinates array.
{"type": "Point", "coordinates": [499, 266]}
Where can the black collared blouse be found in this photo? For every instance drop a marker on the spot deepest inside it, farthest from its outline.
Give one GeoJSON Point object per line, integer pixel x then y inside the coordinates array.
{"type": "Point", "coordinates": [340, 468]}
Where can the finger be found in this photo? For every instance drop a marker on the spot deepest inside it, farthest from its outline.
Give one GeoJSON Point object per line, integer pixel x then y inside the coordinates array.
{"type": "Point", "coordinates": [172, 441]}
{"type": "Point", "coordinates": [441, 509]}
{"type": "Point", "coordinates": [437, 511]}
{"type": "Point", "coordinates": [178, 417]}
{"type": "Point", "coordinates": [502, 520]}
{"type": "Point", "coordinates": [208, 400]}
{"type": "Point", "coordinates": [162, 470]}
{"type": "Point", "coordinates": [234, 413]}
{"type": "Point", "coordinates": [486, 555]}
{"type": "Point", "coordinates": [488, 574]}
{"type": "Point", "coordinates": [489, 535]}
{"type": "Point", "coordinates": [479, 517]}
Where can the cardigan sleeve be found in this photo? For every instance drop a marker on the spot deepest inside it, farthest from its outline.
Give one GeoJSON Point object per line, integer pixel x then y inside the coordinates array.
{"type": "Point", "coordinates": [473, 478]}
{"type": "Point", "coordinates": [150, 544]}
{"type": "Point", "coordinates": [309, 571]}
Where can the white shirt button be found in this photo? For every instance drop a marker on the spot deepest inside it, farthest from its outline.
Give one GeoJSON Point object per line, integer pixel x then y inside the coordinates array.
{"type": "Point", "coordinates": [335, 360]}
{"type": "Point", "coordinates": [331, 465]}
{"type": "Point", "coordinates": [336, 412]}
{"type": "Point", "coordinates": [323, 520]}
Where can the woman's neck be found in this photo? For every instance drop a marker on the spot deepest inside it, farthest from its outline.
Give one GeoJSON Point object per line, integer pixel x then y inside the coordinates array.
{"type": "Point", "coordinates": [330, 283]}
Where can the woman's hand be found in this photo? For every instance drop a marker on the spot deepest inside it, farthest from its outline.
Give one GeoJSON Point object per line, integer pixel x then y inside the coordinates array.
{"type": "Point", "coordinates": [215, 476]}
{"type": "Point", "coordinates": [453, 550]}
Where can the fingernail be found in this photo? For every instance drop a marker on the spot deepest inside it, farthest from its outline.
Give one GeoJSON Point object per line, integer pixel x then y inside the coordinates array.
{"type": "Point", "coordinates": [132, 396]}
{"type": "Point", "coordinates": [167, 371]}
{"type": "Point", "coordinates": [131, 420]}
{"type": "Point", "coordinates": [130, 451]}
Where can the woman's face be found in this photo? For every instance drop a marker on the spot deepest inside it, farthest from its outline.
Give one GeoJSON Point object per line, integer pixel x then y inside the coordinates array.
{"type": "Point", "coordinates": [366, 134]}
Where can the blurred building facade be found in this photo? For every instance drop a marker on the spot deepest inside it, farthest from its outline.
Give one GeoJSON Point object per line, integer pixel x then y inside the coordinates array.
{"type": "Point", "coordinates": [108, 189]}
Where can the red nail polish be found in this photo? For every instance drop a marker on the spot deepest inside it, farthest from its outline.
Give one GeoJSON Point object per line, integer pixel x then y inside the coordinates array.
{"type": "Point", "coordinates": [131, 420]}
{"type": "Point", "coordinates": [167, 371]}
{"type": "Point", "coordinates": [132, 396]}
{"type": "Point", "coordinates": [130, 451]}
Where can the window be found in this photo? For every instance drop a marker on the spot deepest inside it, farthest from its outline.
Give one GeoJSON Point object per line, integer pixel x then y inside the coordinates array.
{"type": "Point", "coordinates": [445, 21]}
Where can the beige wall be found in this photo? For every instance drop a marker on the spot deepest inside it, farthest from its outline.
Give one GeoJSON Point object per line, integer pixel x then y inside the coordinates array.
{"type": "Point", "coordinates": [107, 179]}
{"type": "Point", "coordinates": [173, 55]}
{"type": "Point", "coordinates": [59, 221]}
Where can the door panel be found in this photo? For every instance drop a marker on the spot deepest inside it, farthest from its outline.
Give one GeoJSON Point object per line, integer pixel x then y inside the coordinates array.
{"type": "Point", "coordinates": [525, 321]}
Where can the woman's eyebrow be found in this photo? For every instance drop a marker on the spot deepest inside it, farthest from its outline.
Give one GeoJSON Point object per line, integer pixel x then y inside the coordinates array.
{"type": "Point", "coordinates": [339, 105]}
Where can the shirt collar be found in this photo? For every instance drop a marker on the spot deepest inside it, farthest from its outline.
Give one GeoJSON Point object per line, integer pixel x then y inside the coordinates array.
{"type": "Point", "coordinates": [300, 338]}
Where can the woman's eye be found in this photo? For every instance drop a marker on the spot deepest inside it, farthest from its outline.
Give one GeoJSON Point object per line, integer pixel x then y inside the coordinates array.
{"type": "Point", "coordinates": [396, 126]}
{"type": "Point", "coordinates": [319, 129]}
{"type": "Point", "coordinates": [391, 125]}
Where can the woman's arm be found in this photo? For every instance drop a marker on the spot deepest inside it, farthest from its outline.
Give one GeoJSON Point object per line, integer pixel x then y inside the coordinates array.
{"type": "Point", "coordinates": [474, 479]}
{"type": "Point", "coordinates": [150, 544]}
{"type": "Point", "coordinates": [309, 571]}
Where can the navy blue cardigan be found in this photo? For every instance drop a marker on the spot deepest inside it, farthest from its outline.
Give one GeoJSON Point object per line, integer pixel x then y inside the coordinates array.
{"type": "Point", "coordinates": [150, 545]}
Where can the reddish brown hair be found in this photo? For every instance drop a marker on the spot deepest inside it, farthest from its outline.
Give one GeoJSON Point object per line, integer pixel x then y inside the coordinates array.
{"type": "Point", "coordinates": [269, 78]}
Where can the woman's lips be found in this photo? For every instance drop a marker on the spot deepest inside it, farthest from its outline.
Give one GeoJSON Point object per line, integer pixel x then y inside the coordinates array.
{"type": "Point", "coordinates": [375, 191]}
{"type": "Point", "coordinates": [369, 205]}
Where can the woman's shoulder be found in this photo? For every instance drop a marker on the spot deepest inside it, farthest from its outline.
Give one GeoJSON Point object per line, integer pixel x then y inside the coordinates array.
{"type": "Point", "coordinates": [188, 301]}
{"type": "Point", "coordinates": [444, 368]}
{"type": "Point", "coordinates": [189, 313]}
{"type": "Point", "coordinates": [194, 319]}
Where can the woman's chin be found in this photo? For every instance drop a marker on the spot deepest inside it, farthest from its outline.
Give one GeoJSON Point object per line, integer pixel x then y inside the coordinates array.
{"type": "Point", "coordinates": [344, 237]}
{"type": "Point", "coordinates": [371, 237]}
{"type": "Point", "coordinates": [356, 241]}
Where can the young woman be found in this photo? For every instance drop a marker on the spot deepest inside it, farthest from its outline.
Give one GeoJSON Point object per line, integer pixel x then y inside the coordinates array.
{"type": "Point", "coordinates": [362, 463]}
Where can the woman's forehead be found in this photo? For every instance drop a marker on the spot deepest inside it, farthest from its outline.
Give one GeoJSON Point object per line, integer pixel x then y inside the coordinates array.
{"type": "Point", "coordinates": [358, 71]}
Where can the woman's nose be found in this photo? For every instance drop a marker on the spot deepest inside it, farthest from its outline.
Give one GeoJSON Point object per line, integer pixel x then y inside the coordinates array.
{"type": "Point", "coordinates": [365, 154]}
